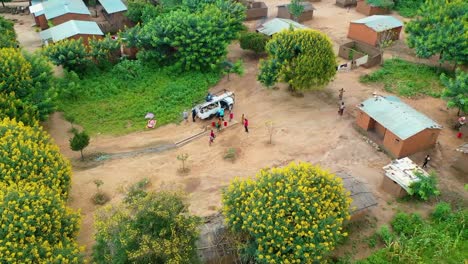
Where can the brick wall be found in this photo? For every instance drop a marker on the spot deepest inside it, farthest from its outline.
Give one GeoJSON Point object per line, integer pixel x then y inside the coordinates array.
{"type": "Point", "coordinates": [67, 17]}
{"type": "Point", "coordinates": [362, 33]}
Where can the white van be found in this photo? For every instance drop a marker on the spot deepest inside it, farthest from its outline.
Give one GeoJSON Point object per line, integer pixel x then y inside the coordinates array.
{"type": "Point", "coordinates": [224, 100]}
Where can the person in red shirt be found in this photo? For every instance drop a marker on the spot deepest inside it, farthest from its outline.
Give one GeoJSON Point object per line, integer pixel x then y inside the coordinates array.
{"type": "Point", "coordinates": [212, 137]}
{"type": "Point", "coordinates": [246, 125]}
{"type": "Point", "coordinates": [231, 116]}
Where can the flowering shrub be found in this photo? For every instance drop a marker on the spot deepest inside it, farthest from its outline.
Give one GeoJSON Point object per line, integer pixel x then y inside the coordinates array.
{"type": "Point", "coordinates": [36, 226]}
{"type": "Point", "coordinates": [290, 215]}
{"type": "Point", "coordinates": [148, 228]}
{"type": "Point", "coordinates": [12, 107]}
{"type": "Point", "coordinates": [26, 153]}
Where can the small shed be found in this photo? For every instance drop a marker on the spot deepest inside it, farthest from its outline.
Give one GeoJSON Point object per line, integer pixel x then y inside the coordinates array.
{"type": "Point", "coordinates": [363, 199]}
{"type": "Point", "coordinates": [345, 3]}
{"type": "Point", "coordinates": [59, 11]}
{"type": "Point", "coordinates": [368, 9]}
{"type": "Point", "coordinates": [396, 126]}
{"type": "Point", "coordinates": [283, 12]}
{"type": "Point", "coordinates": [72, 29]}
{"type": "Point", "coordinates": [277, 25]}
{"type": "Point", "coordinates": [399, 175]}
{"type": "Point", "coordinates": [114, 12]}
{"type": "Point", "coordinates": [461, 163]}
{"type": "Point", "coordinates": [256, 10]}
{"type": "Point", "coordinates": [371, 30]}
{"type": "Point", "coordinates": [356, 50]}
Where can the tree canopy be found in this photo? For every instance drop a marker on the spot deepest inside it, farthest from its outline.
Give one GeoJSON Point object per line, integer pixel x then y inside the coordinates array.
{"type": "Point", "coordinates": [13, 108]}
{"type": "Point", "coordinates": [147, 228]}
{"type": "Point", "coordinates": [448, 39]}
{"type": "Point", "coordinates": [8, 36]}
{"type": "Point", "coordinates": [253, 41]}
{"type": "Point", "coordinates": [70, 53]}
{"type": "Point", "coordinates": [302, 58]}
{"type": "Point", "coordinates": [287, 215]}
{"type": "Point", "coordinates": [456, 91]}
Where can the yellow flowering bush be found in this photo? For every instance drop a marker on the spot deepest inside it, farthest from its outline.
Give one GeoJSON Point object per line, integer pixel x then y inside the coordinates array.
{"type": "Point", "coordinates": [15, 72]}
{"type": "Point", "coordinates": [36, 226]}
{"type": "Point", "coordinates": [27, 153]}
{"type": "Point", "coordinates": [148, 228]}
{"type": "Point", "coordinates": [289, 215]}
{"type": "Point", "coordinates": [12, 107]}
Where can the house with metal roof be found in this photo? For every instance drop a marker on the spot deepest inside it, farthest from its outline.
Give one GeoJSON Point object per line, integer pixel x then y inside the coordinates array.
{"type": "Point", "coordinates": [307, 14]}
{"type": "Point", "coordinates": [56, 12]}
{"type": "Point", "coordinates": [277, 25]}
{"type": "Point", "coordinates": [113, 6]}
{"type": "Point", "coordinates": [396, 126]}
{"type": "Point", "coordinates": [74, 29]}
{"type": "Point", "coordinates": [376, 29]}
{"type": "Point", "coordinates": [114, 13]}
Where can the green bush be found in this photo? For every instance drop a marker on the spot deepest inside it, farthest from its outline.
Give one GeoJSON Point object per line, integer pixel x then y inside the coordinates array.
{"type": "Point", "coordinates": [253, 41]}
{"type": "Point", "coordinates": [406, 224]}
{"type": "Point", "coordinates": [386, 235]}
{"type": "Point", "coordinates": [442, 211]}
{"type": "Point", "coordinates": [8, 36]}
{"type": "Point", "coordinates": [397, 76]}
{"type": "Point", "coordinates": [155, 228]}
{"type": "Point", "coordinates": [425, 188]}
{"type": "Point", "coordinates": [408, 8]}
{"type": "Point", "coordinates": [381, 3]}
{"type": "Point", "coordinates": [287, 215]}
{"type": "Point", "coordinates": [12, 107]}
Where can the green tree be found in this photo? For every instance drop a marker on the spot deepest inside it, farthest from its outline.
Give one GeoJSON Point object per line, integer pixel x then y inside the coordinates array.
{"type": "Point", "coordinates": [253, 41]}
{"type": "Point", "coordinates": [8, 36]}
{"type": "Point", "coordinates": [193, 38]}
{"type": "Point", "coordinates": [70, 53]}
{"type": "Point", "coordinates": [13, 108]}
{"type": "Point", "coordinates": [153, 228]}
{"type": "Point", "coordinates": [456, 91]}
{"type": "Point", "coordinates": [425, 187]}
{"type": "Point", "coordinates": [26, 153]}
{"type": "Point", "coordinates": [296, 9]}
{"type": "Point", "coordinates": [448, 38]}
{"type": "Point", "coordinates": [15, 74]}
{"type": "Point", "coordinates": [302, 58]}
{"type": "Point", "coordinates": [79, 141]}
{"type": "Point", "coordinates": [293, 214]}
{"type": "Point", "coordinates": [236, 67]}
{"type": "Point", "coordinates": [101, 49]}
{"type": "Point", "coordinates": [37, 226]}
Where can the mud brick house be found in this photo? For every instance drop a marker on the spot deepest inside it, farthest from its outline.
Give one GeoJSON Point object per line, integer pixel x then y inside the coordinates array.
{"type": "Point", "coordinates": [73, 29]}
{"type": "Point", "coordinates": [372, 29]}
{"type": "Point", "coordinates": [277, 25]}
{"type": "Point", "coordinates": [256, 10]}
{"type": "Point", "coordinates": [114, 12]}
{"type": "Point", "coordinates": [56, 12]}
{"type": "Point", "coordinates": [399, 175]}
{"type": "Point", "coordinates": [397, 127]}
{"type": "Point", "coordinates": [283, 12]}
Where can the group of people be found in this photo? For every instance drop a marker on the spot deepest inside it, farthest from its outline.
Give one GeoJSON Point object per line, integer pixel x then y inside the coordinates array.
{"type": "Point", "coordinates": [220, 121]}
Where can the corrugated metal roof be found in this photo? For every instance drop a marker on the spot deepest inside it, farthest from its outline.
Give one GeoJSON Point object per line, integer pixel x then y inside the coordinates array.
{"type": "Point", "coordinates": [113, 6]}
{"type": "Point", "coordinates": [362, 197]}
{"type": "Point", "coordinates": [55, 8]}
{"type": "Point", "coordinates": [307, 6]}
{"type": "Point", "coordinates": [379, 23]}
{"type": "Point", "coordinates": [403, 171]}
{"type": "Point", "coordinates": [278, 24]}
{"type": "Point", "coordinates": [37, 9]}
{"type": "Point", "coordinates": [396, 116]}
{"type": "Point", "coordinates": [69, 29]}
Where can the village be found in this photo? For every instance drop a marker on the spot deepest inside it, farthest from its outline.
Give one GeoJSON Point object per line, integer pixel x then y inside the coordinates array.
{"type": "Point", "coordinates": [364, 126]}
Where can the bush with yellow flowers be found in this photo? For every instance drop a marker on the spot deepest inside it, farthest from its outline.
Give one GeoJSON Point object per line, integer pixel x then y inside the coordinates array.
{"type": "Point", "coordinates": [147, 228]}
{"type": "Point", "coordinates": [289, 215]}
{"type": "Point", "coordinates": [12, 107]}
{"type": "Point", "coordinates": [36, 226]}
{"type": "Point", "coordinates": [27, 153]}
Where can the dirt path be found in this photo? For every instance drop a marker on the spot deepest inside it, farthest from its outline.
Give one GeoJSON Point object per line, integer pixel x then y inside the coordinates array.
{"type": "Point", "coordinates": [306, 128]}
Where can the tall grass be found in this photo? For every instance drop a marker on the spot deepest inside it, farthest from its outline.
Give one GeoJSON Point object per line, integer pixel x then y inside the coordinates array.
{"type": "Point", "coordinates": [406, 78]}
{"type": "Point", "coordinates": [116, 101]}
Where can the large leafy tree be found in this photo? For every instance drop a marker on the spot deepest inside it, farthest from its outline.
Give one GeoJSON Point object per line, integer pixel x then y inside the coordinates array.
{"type": "Point", "coordinates": [293, 214]}
{"type": "Point", "coordinates": [70, 53]}
{"type": "Point", "coordinates": [27, 153]}
{"type": "Point", "coordinates": [8, 36]}
{"type": "Point", "coordinates": [195, 36]}
{"type": "Point", "coordinates": [253, 41]}
{"type": "Point", "coordinates": [456, 91]}
{"type": "Point", "coordinates": [36, 225]}
{"type": "Point", "coordinates": [29, 77]}
{"type": "Point", "coordinates": [147, 228]}
{"type": "Point", "coordinates": [441, 27]}
{"type": "Point", "coordinates": [302, 58]}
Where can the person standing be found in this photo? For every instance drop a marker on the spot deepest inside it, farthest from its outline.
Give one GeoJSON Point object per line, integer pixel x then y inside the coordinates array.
{"type": "Point", "coordinates": [426, 160]}
{"type": "Point", "coordinates": [194, 114]}
{"type": "Point", "coordinates": [185, 115]}
{"type": "Point", "coordinates": [340, 96]}
{"type": "Point", "coordinates": [212, 137]}
{"type": "Point", "coordinates": [219, 124]}
{"type": "Point", "coordinates": [246, 125]}
{"type": "Point", "coordinates": [341, 110]}
{"type": "Point", "coordinates": [221, 113]}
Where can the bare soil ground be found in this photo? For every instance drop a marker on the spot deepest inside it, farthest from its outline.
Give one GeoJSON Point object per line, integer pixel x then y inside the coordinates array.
{"type": "Point", "coordinates": [306, 129]}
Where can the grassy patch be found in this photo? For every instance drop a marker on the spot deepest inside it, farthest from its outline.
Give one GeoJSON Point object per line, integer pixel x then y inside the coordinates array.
{"type": "Point", "coordinates": [116, 101]}
{"type": "Point", "coordinates": [406, 78]}
{"type": "Point", "coordinates": [408, 8]}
